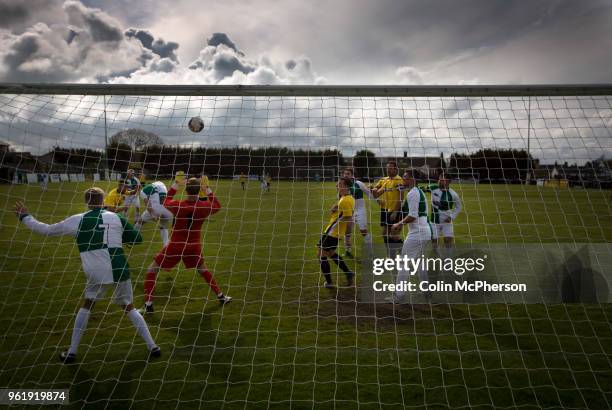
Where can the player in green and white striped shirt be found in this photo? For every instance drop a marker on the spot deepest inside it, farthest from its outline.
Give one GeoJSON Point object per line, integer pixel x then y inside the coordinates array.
{"type": "Point", "coordinates": [99, 236]}
{"type": "Point", "coordinates": [154, 195]}
{"type": "Point", "coordinates": [414, 212]}
{"type": "Point", "coordinates": [358, 190]}
{"type": "Point", "coordinates": [445, 205]}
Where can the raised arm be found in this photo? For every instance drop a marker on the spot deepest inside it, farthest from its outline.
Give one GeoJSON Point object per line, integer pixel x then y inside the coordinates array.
{"type": "Point", "coordinates": [211, 205]}
{"type": "Point", "coordinates": [170, 203]}
{"type": "Point", "coordinates": [68, 226]}
{"type": "Point", "coordinates": [365, 189]}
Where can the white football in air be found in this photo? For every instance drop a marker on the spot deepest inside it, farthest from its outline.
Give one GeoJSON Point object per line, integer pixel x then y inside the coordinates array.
{"type": "Point", "coordinates": [196, 124]}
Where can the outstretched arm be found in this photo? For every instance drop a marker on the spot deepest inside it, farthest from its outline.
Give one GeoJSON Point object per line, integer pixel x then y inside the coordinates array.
{"type": "Point", "coordinates": [68, 226]}
{"type": "Point", "coordinates": [365, 189]}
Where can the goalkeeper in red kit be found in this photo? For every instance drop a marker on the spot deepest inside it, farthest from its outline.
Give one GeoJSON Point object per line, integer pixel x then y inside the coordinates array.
{"type": "Point", "coordinates": [189, 215]}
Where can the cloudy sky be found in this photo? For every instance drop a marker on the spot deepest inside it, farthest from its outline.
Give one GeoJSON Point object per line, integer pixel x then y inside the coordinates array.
{"type": "Point", "coordinates": [295, 41]}
{"type": "Point", "coordinates": [312, 42]}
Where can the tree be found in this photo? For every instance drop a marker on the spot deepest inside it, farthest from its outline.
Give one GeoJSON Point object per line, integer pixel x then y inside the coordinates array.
{"type": "Point", "coordinates": [366, 164]}
{"type": "Point", "coordinates": [119, 156]}
{"type": "Point", "coordinates": [136, 138]}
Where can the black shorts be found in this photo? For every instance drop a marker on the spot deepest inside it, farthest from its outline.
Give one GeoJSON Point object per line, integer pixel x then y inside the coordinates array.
{"type": "Point", "coordinates": [328, 243]}
{"type": "Point", "coordinates": [386, 218]}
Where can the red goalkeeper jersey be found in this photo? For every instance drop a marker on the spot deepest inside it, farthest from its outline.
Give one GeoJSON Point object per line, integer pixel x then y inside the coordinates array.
{"type": "Point", "coordinates": [189, 217]}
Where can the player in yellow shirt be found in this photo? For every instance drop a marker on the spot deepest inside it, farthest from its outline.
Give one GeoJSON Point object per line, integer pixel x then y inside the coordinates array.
{"type": "Point", "coordinates": [341, 217]}
{"type": "Point", "coordinates": [389, 195]}
{"type": "Point", "coordinates": [114, 199]}
{"type": "Point", "coordinates": [243, 180]}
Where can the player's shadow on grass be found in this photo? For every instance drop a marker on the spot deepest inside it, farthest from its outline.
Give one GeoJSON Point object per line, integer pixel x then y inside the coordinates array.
{"type": "Point", "coordinates": [92, 390]}
{"type": "Point", "coordinates": [193, 330]}
{"type": "Point", "coordinates": [347, 303]}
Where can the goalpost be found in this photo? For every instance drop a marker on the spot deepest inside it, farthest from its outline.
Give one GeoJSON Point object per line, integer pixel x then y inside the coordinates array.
{"type": "Point", "coordinates": [286, 340]}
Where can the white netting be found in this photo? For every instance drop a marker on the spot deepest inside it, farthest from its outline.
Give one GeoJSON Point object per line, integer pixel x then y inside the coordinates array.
{"type": "Point", "coordinates": [530, 170]}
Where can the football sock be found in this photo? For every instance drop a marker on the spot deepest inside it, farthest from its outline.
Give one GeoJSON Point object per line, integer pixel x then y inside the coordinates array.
{"type": "Point", "coordinates": [208, 277]}
{"type": "Point", "coordinates": [326, 269]}
{"type": "Point", "coordinates": [340, 262]}
{"type": "Point", "coordinates": [448, 250]}
{"type": "Point", "coordinates": [164, 235]}
{"type": "Point", "coordinates": [80, 324]}
{"type": "Point", "coordinates": [149, 287]}
{"type": "Point", "coordinates": [141, 327]}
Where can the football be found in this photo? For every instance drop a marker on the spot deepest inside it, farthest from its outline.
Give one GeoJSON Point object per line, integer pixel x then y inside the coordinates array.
{"type": "Point", "coordinates": [196, 124]}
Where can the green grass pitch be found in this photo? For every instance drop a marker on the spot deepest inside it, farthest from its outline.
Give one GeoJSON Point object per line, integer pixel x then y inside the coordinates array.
{"type": "Point", "coordinates": [285, 341]}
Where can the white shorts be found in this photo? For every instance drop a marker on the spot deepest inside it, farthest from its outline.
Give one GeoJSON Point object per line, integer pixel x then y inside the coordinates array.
{"type": "Point", "coordinates": [361, 218]}
{"type": "Point", "coordinates": [442, 230]}
{"type": "Point", "coordinates": [413, 248]}
{"type": "Point", "coordinates": [132, 200]}
{"type": "Point", "coordinates": [122, 292]}
{"type": "Point", "coordinates": [159, 211]}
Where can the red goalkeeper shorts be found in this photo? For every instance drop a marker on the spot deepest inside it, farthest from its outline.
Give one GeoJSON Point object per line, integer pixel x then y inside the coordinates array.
{"type": "Point", "coordinates": [173, 253]}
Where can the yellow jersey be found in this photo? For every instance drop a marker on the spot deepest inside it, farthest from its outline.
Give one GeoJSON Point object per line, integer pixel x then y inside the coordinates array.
{"type": "Point", "coordinates": [114, 199]}
{"type": "Point", "coordinates": [391, 198]}
{"type": "Point", "coordinates": [336, 226]}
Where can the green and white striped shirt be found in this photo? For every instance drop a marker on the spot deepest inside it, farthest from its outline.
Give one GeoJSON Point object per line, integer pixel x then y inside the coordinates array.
{"type": "Point", "coordinates": [415, 205]}
{"type": "Point", "coordinates": [445, 204]}
{"type": "Point", "coordinates": [100, 236]}
{"type": "Point", "coordinates": [132, 184]}
{"type": "Point", "coordinates": [155, 193]}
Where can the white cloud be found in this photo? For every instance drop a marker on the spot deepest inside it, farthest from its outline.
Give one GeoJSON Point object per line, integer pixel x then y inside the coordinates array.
{"type": "Point", "coordinates": [86, 44]}
{"type": "Point", "coordinates": [409, 76]}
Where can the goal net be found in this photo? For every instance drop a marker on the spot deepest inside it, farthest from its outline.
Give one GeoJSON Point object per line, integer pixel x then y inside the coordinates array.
{"type": "Point", "coordinates": [273, 157]}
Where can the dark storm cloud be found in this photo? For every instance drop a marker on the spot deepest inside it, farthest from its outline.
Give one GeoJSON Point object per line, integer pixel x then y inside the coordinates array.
{"type": "Point", "coordinates": [22, 49]}
{"type": "Point", "coordinates": [11, 13]}
{"type": "Point", "coordinates": [79, 44]}
{"type": "Point", "coordinates": [71, 35]}
{"type": "Point", "coordinates": [366, 42]}
{"type": "Point", "coordinates": [225, 65]}
{"type": "Point", "coordinates": [24, 61]}
{"type": "Point", "coordinates": [217, 39]}
{"type": "Point", "coordinates": [100, 25]}
{"type": "Point", "coordinates": [290, 64]}
{"type": "Point", "coordinates": [158, 46]}
{"type": "Point", "coordinates": [17, 15]}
